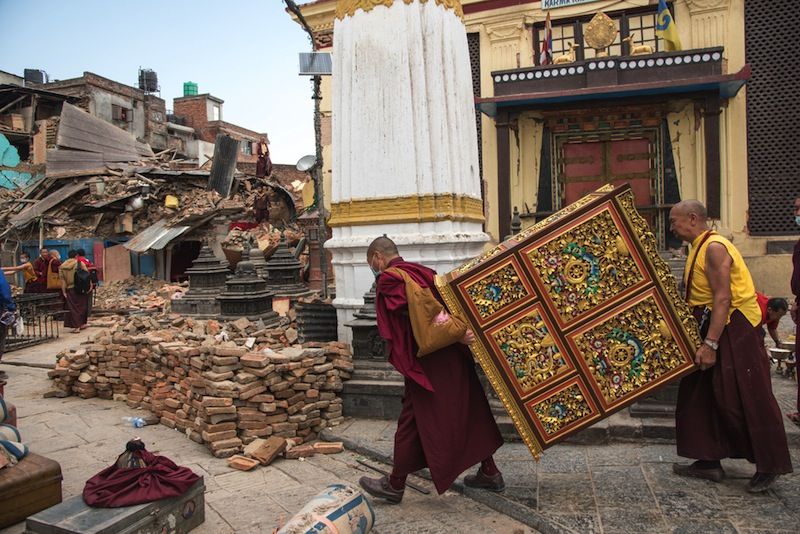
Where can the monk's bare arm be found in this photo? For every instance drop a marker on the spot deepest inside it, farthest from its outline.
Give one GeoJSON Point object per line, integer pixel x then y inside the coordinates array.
{"type": "Point", "coordinates": [718, 272]}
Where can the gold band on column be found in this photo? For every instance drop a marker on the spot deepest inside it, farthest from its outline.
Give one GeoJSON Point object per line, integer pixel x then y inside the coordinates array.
{"type": "Point", "coordinates": [424, 208]}
{"type": "Point", "coordinates": [347, 8]}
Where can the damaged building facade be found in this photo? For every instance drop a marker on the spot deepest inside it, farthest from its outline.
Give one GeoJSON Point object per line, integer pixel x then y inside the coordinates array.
{"type": "Point", "coordinates": [96, 164]}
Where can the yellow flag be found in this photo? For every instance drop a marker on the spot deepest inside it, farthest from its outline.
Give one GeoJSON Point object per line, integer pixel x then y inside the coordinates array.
{"type": "Point", "coordinates": [666, 28]}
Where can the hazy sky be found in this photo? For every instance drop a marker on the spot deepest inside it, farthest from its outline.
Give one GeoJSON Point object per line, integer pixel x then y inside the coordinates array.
{"type": "Point", "coordinates": [244, 52]}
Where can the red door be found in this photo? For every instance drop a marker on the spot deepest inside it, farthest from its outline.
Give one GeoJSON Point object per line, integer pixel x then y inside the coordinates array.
{"type": "Point", "coordinates": [585, 166]}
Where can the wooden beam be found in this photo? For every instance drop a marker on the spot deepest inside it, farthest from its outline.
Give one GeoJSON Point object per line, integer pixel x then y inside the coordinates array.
{"type": "Point", "coordinates": [713, 174]}
{"type": "Point", "coordinates": [503, 176]}
{"type": "Point", "coordinates": [13, 102]}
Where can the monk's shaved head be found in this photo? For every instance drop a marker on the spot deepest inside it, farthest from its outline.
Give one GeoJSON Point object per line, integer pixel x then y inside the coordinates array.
{"type": "Point", "coordinates": [691, 207]}
{"type": "Point", "coordinates": [384, 245]}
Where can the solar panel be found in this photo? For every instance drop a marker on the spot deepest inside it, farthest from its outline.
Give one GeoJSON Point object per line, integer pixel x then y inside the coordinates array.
{"type": "Point", "coordinates": [315, 64]}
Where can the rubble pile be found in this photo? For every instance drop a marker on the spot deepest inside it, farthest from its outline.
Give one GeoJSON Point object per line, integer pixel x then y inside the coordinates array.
{"type": "Point", "coordinates": [223, 384]}
{"type": "Point", "coordinates": [139, 293]}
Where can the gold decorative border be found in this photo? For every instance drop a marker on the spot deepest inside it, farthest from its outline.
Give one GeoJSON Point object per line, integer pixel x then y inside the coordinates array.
{"type": "Point", "coordinates": [348, 8]}
{"type": "Point", "coordinates": [423, 208]}
{"type": "Point", "coordinates": [663, 272]}
{"type": "Point", "coordinates": [480, 352]}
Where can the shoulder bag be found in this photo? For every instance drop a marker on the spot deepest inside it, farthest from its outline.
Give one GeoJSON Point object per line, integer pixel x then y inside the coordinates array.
{"type": "Point", "coordinates": [434, 328]}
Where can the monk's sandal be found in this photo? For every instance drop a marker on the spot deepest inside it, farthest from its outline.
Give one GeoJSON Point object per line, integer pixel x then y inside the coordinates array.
{"type": "Point", "coordinates": [380, 488]}
{"type": "Point", "coordinates": [483, 481]}
{"type": "Point", "coordinates": [715, 474]}
{"type": "Point", "coordinates": [761, 482]}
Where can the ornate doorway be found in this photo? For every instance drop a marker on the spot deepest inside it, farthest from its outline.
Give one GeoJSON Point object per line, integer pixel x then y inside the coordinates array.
{"type": "Point", "coordinates": [584, 161]}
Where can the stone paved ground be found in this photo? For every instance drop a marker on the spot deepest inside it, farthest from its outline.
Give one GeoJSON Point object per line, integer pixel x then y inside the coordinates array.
{"type": "Point", "coordinates": [622, 486]}
{"type": "Point", "coordinates": [615, 488]}
{"type": "Point", "coordinates": [85, 436]}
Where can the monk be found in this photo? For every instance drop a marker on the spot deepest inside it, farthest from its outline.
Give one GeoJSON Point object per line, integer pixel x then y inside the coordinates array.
{"type": "Point", "coordinates": [77, 304]}
{"type": "Point", "coordinates": [40, 266]}
{"type": "Point", "coordinates": [30, 277]}
{"type": "Point", "coordinates": [445, 423]}
{"type": "Point", "coordinates": [726, 409]}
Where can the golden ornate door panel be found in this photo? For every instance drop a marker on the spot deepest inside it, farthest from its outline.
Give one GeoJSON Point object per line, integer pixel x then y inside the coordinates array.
{"type": "Point", "coordinates": [577, 316]}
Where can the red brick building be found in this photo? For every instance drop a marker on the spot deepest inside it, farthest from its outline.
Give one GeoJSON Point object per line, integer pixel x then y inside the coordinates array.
{"type": "Point", "coordinates": [204, 113]}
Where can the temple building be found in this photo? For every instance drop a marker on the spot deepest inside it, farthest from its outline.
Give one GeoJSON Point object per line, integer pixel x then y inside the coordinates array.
{"type": "Point", "coordinates": [612, 103]}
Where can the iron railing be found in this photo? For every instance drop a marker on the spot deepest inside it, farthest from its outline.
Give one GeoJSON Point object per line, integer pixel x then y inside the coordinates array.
{"type": "Point", "coordinates": [40, 314]}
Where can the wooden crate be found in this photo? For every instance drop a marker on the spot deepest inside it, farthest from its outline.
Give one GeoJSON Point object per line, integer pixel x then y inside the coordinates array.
{"type": "Point", "coordinates": [28, 487]}
{"type": "Point", "coordinates": [176, 515]}
{"type": "Point", "coordinates": [575, 318]}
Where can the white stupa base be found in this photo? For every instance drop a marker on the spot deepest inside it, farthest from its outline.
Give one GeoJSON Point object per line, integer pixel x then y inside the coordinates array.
{"type": "Point", "coordinates": [441, 245]}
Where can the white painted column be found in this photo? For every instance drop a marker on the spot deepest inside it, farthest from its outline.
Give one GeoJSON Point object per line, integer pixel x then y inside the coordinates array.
{"type": "Point", "coordinates": [403, 129]}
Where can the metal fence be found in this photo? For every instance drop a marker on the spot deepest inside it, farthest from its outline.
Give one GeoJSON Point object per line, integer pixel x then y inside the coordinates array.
{"type": "Point", "coordinates": [40, 314]}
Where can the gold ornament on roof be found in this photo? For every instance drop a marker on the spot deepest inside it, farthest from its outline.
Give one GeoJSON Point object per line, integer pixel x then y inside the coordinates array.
{"type": "Point", "coordinates": [348, 8]}
{"type": "Point", "coordinates": [569, 57]}
{"type": "Point", "coordinates": [600, 33]}
{"type": "Point", "coordinates": [637, 50]}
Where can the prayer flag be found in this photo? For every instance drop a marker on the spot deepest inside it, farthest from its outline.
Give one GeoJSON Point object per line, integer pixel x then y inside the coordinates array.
{"type": "Point", "coordinates": [666, 28]}
{"type": "Point", "coordinates": [546, 50]}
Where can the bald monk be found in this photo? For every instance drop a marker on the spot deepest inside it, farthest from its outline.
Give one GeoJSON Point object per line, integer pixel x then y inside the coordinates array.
{"type": "Point", "coordinates": [445, 423]}
{"type": "Point", "coordinates": [726, 409]}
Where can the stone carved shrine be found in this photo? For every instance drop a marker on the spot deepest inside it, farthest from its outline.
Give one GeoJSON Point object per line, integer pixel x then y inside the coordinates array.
{"type": "Point", "coordinates": [207, 277]}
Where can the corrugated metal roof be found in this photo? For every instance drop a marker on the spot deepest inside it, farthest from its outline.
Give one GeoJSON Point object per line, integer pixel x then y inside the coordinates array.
{"type": "Point", "coordinates": [155, 236]}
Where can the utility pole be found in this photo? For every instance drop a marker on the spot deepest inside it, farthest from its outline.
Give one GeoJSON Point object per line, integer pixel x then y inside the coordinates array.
{"type": "Point", "coordinates": [317, 170]}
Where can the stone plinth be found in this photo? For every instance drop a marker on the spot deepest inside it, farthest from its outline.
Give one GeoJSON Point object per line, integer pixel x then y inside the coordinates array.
{"type": "Point", "coordinates": [283, 273]}
{"type": "Point", "coordinates": [375, 389]}
{"type": "Point", "coordinates": [247, 295]}
{"type": "Point", "coordinates": [207, 277]}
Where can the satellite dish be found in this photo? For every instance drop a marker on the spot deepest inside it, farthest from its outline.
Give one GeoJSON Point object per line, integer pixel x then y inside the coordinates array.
{"type": "Point", "coordinates": [306, 163]}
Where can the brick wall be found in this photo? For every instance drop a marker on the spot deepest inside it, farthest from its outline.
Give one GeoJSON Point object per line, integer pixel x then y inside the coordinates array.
{"type": "Point", "coordinates": [193, 109]}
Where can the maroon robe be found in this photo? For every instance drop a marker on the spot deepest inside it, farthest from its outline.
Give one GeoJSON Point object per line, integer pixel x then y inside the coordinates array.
{"type": "Point", "coordinates": [263, 162]}
{"type": "Point", "coordinates": [729, 411]}
{"type": "Point", "coordinates": [77, 307]}
{"type": "Point", "coordinates": [446, 423]}
{"type": "Point", "coordinates": [796, 293]}
{"type": "Point", "coordinates": [39, 285]}
{"type": "Point", "coordinates": [125, 486]}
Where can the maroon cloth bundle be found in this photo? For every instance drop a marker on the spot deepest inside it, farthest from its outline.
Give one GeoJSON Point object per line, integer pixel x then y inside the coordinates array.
{"type": "Point", "coordinates": [114, 486]}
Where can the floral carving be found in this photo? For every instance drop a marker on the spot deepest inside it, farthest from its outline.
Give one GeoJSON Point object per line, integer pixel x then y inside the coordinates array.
{"type": "Point", "coordinates": [562, 409]}
{"type": "Point", "coordinates": [496, 290]}
{"type": "Point", "coordinates": [663, 272]}
{"type": "Point", "coordinates": [531, 351]}
{"type": "Point", "coordinates": [585, 266]}
{"type": "Point", "coordinates": [630, 350]}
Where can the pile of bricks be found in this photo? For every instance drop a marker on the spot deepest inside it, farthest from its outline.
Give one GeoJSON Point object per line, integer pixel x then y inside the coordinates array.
{"type": "Point", "coordinates": [224, 385]}
{"type": "Point", "coordinates": [138, 293]}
